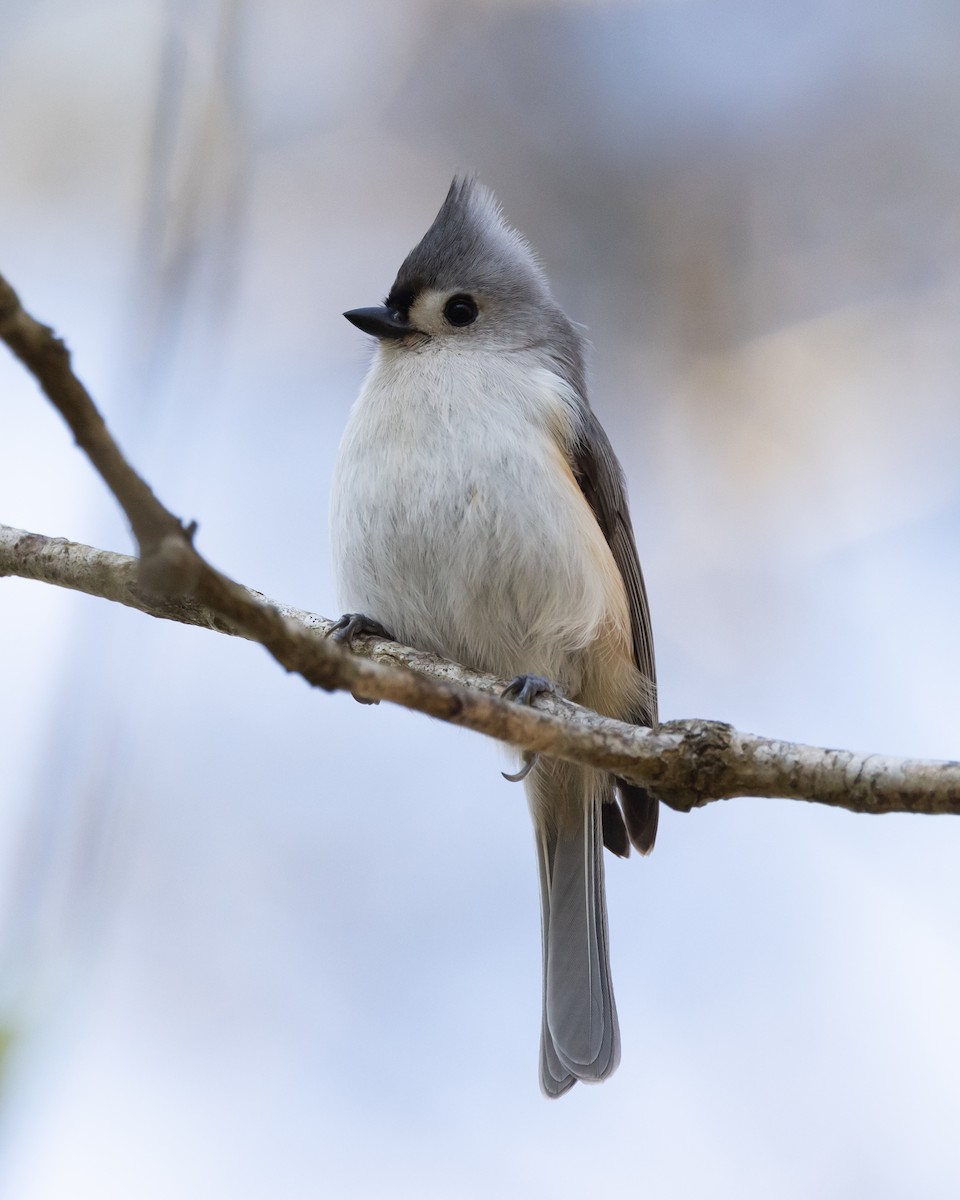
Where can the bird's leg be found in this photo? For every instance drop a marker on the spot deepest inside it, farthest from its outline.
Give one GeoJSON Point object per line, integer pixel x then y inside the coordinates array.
{"type": "Point", "coordinates": [525, 689]}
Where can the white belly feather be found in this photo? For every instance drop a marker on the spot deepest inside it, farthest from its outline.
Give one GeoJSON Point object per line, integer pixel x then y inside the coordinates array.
{"type": "Point", "coordinates": [456, 521]}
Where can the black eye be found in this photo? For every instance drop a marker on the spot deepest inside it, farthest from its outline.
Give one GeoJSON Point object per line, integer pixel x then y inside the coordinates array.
{"type": "Point", "coordinates": [460, 310]}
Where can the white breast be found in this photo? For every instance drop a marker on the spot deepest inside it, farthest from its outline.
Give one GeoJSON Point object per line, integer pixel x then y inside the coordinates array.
{"type": "Point", "coordinates": [457, 522]}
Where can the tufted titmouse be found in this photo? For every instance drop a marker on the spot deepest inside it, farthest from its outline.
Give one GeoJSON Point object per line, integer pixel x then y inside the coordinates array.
{"type": "Point", "coordinates": [479, 512]}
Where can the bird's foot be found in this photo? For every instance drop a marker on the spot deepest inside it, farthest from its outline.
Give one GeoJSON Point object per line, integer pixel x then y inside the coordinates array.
{"type": "Point", "coordinates": [525, 689]}
{"type": "Point", "coordinates": [350, 624]}
{"type": "Point", "coordinates": [347, 628]}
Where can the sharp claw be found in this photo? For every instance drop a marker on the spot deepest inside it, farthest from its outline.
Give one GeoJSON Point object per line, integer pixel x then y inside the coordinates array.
{"type": "Point", "coordinates": [340, 631]}
{"type": "Point", "coordinates": [524, 770]}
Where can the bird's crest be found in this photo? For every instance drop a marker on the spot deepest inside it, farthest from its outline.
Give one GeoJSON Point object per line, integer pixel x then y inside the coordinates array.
{"type": "Point", "coordinates": [469, 244]}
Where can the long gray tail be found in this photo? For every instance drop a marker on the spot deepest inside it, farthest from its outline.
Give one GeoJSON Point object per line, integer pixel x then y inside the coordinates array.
{"type": "Point", "coordinates": [581, 1037]}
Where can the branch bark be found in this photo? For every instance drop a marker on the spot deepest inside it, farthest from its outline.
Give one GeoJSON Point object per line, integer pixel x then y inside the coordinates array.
{"type": "Point", "coordinates": [687, 763]}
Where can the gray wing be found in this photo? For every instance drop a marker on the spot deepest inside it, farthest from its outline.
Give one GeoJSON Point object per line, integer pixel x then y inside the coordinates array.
{"type": "Point", "coordinates": [600, 477]}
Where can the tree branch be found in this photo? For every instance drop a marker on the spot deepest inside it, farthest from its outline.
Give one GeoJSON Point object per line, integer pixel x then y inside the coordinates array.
{"type": "Point", "coordinates": [687, 763]}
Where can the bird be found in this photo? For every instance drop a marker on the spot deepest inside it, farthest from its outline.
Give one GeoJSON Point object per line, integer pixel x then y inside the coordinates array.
{"type": "Point", "coordinates": [478, 512]}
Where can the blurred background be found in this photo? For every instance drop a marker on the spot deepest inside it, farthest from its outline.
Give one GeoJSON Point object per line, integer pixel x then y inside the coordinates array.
{"type": "Point", "coordinates": [258, 941]}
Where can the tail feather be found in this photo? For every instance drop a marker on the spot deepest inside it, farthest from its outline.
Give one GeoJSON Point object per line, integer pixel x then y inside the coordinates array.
{"type": "Point", "coordinates": [641, 812]}
{"type": "Point", "coordinates": [580, 1038]}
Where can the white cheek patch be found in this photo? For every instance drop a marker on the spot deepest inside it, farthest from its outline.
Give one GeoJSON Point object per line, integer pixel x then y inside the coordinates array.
{"type": "Point", "coordinates": [426, 312]}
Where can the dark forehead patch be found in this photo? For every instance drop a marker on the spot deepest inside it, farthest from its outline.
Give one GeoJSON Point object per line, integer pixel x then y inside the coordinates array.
{"type": "Point", "coordinates": [402, 295]}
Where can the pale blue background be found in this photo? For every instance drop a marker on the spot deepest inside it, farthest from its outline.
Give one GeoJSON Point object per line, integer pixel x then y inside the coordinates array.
{"type": "Point", "coordinates": [258, 941]}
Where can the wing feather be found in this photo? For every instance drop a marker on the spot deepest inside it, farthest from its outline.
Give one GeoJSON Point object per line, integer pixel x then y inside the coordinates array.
{"type": "Point", "coordinates": [600, 476]}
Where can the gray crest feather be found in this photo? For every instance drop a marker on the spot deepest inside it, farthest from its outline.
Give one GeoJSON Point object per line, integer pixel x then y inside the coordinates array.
{"type": "Point", "coordinates": [470, 244]}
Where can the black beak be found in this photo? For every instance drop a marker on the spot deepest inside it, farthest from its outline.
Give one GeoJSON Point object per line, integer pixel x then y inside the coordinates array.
{"type": "Point", "coordinates": [382, 322]}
